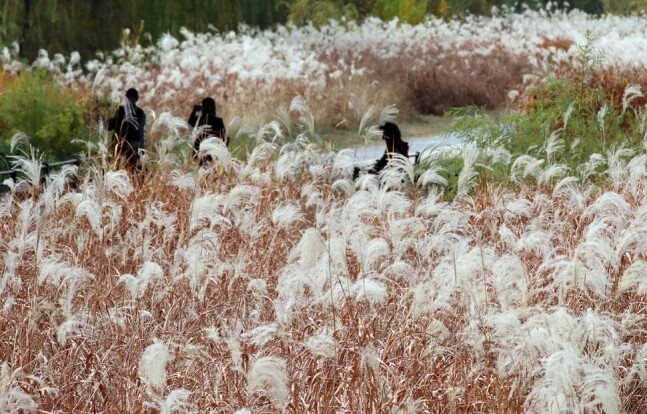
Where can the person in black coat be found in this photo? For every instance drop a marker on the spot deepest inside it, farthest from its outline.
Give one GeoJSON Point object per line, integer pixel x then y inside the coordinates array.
{"type": "Point", "coordinates": [128, 124]}
{"type": "Point", "coordinates": [205, 116]}
{"type": "Point", "coordinates": [394, 145]}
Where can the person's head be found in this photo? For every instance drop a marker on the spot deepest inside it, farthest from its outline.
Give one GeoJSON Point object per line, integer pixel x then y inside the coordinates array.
{"type": "Point", "coordinates": [132, 95]}
{"type": "Point", "coordinates": [390, 132]}
{"type": "Point", "coordinates": [209, 106]}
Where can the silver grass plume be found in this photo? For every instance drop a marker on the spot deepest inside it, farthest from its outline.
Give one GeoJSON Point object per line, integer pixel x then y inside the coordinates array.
{"type": "Point", "coordinates": [527, 165]}
{"type": "Point", "coordinates": [322, 344]}
{"type": "Point", "coordinates": [152, 365]}
{"type": "Point", "coordinates": [370, 290]}
{"type": "Point", "coordinates": [399, 171]}
{"type": "Point", "coordinates": [169, 124]}
{"type": "Point", "coordinates": [388, 114]}
{"type": "Point", "coordinates": [563, 374]}
{"type": "Point", "coordinates": [268, 375]}
{"type": "Point", "coordinates": [237, 128]}
{"type": "Point", "coordinates": [286, 215]}
{"type": "Point", "coordinates": [602, 113]}
{"type": "Point", "coordinates": [554, 145]}
{"type": "Point", "coordinates": [56, 183]}
{"type": "Point", "coordinates": [306, 118]}
{"type": "Point", "coordinates": [511, 282]}
{"type": "Point", "coordinates": [175, 401]}
{"type": "Point", "coordinates": [289, 165]}
{"type": "Point", "coordinates": [588, 169]}
{"type": "Point", "coordinates": [29, 166]}
{"type": "Point", "coordinates": [599, 335]}
{"type": "Point", "coordinates": [638, 372]}
{"type": "Point", "coordinates": [93, 212]}
{"type": "Point", "coordinates": [432, 176]}
{"type": "Point", "coordinates": [344, 163]}
{"type": "Point", "coordinates": [369, 253]}
{"type": "Point", "coordinates": [147, 274]}
{"type": "Point", "coordinates": [285, 119]}
{"type": "Point", "coordinates": [617, 166]}
{"type": "Point", "coordinates": [367, 182]}
{"type": "Point", "coordinates": [355, 105]}
{"type": "Point", "coordinates": [431, 205]}
{"type": "Point", "coordinates": [240, 196]}
{"type": "Point", "coordinates": [366, 131]}
{"type": "Point", "coordinates": [552, 172]}
{"type": "Point", "coordinates": [271, 130]}
{"type": "Point", "coordinates": [73, 324]}
{"type": "Point", "coordinates": [205, 209]}
{"type": "Point", "coordinates": [564, 186]}
{"type": "Point", "coordinates": [311, 246]}
{"type": "Point", "coordinates": [261, 335]}
{"type": "Point", "coordinates": [567, 116]}
{"type": "Point", "coordinates": [9, 278]}
{"type": "Point", "coordinates": [467, 176]}
{"type": "Point", "coordinates": [391, 202]}
{"type": "Point", "coordinates": [630, 93]}
{"type": "Point", "coordinates": [637, 172]}
{"type": "Point", "coordinates": [61, 275]}
{"type": "Point", "coordinates": [184, 181]}
{"type": "Point", "coordinates": [12, 397]}
{"type": "Point", "coordinates": [343, 186]}
{"type": "Point", "coordinates": [262, 153]}
{"type": "Point", "coordinates": [118, 183]}
{"type": "Point", "coordinates": [608, 203]}
{"type": "Point", "coordinates": [634, 276]}
{"type": "Point", "coordinates": [17, 139]}
{"type": "Point", "coordinates": [399, 270]}
{"type": "Point", "coordinates": [217, 149]}
{"type": "Point", "coordinates": [201, 256]}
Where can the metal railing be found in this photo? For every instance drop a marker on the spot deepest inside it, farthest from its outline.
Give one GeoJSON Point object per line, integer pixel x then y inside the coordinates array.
{"type": "Point", "coordinates": [45, 169]}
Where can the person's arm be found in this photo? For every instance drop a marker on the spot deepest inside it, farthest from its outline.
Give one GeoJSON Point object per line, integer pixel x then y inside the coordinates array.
{"type": "Point", "coordinates": [142, 129]}
{"type": "Point", "coordinates": [193, 118]}
{"type": "Point", "coordinates": [115, 120]}
{"type": "Point", "coordinates": [379, 164]}
{"type": "Point", "coordinates": [222, 132]}
{"type": "Point", "coordinates": [114, 124]}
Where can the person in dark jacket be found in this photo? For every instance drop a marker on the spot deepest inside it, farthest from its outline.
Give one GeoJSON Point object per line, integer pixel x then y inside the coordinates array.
{"type": "Point", "coordinates": [128, 124]}
{"type": "Point", "coordinates": [205, 116]}
{"type": "Point", "coordinates": [394, 145]}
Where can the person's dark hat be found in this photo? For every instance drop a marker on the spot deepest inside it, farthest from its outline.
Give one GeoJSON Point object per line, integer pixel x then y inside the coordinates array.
{"type": "Point", "coordinates": [132, 95]}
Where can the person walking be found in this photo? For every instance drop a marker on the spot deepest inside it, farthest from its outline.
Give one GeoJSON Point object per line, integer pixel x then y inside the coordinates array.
{"type": "Point", "coordinates": [128, 125]}
{"type": "Point", "coordinates": [204, 116]}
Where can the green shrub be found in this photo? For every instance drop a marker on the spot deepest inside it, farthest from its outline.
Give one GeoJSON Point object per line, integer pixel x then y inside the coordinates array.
{"type": "Point", "coordinates": [49, 114]}
{"type": "Point", "coordinates": [563, 118]}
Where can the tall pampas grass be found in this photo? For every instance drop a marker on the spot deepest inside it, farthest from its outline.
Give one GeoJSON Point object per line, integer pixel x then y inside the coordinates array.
{"type": "Point", "coordinates": [571, 383]}
{"type": "Point", "coordinates": [13, 399]}
{"type": "Point", "coordinates": [152, 365]}
{"type": "Point", "coordinates": [268, 376]}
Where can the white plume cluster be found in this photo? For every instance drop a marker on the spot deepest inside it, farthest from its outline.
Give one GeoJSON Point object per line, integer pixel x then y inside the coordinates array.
{"type": "Point", "coordinates": [264, 281]}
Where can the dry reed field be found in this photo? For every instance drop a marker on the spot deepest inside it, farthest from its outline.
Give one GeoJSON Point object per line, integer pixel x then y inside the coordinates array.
{"type": "Point", "coordinates": [278, 284]}
{"type": "Point", "coordinates": [428, 68]}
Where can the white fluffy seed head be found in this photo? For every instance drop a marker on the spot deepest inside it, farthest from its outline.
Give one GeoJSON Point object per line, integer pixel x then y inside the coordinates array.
{"type": "Point", "coordinates": [322, 344]}
{"type": "Point", "coordinates": [152, 365]}
{"type": "Point", "coordinates": [269, 376]}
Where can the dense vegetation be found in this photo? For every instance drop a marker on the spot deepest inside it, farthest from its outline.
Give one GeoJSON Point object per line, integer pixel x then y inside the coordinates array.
{"type": "Point", "coordinates": [507, 275]}
{"type": "Point", "coordinates": [90, 26]}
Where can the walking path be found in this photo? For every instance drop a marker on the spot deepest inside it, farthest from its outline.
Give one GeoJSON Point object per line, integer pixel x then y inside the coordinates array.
{"type": "Point", "coordinates": [366, 154]}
